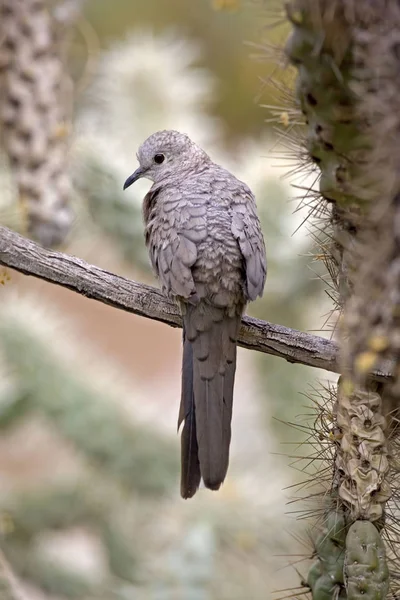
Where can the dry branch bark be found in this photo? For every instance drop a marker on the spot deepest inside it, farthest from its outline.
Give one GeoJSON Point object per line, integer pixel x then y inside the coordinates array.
{"type": "Point", "coordinates": [25, 256]}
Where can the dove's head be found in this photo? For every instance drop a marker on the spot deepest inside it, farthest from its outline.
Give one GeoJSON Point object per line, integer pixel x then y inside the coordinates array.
{"type": "Point", "coordinates": [167, 154]}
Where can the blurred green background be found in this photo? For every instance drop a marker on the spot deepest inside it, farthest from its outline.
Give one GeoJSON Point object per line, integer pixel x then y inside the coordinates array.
{"type": "Point", "coordinates": [225, 32]}
{"type": "Point", "coordinates": [89, 501]}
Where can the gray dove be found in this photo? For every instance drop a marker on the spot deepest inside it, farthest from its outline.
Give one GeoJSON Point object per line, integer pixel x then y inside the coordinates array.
{"type": "Point", "coordinates": [207, 249]}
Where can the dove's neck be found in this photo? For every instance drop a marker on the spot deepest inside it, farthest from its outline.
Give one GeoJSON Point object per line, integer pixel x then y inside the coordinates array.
{"type": "Point", "coordinates": [186, 169]}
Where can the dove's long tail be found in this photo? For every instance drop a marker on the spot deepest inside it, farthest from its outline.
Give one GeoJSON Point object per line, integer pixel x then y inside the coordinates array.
{"type": "Point", "coordinates": [208, 374]}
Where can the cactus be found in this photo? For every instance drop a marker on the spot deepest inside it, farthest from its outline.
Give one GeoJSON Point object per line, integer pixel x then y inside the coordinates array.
{"type": "Point", "coordinates": [326, 575]}
{"type": "Point", "coordinates": [346, 89]}
{"type": "Point", "coordinates": [35, 105]}
{"type": "Point", "coordinates": [366, 570]}
{"type": "Point", "coordinates": [322, 48]}
{"type": "Point", "coordinates": [346, 95]}
{"type": "Point", "coordinates": [362, 459]}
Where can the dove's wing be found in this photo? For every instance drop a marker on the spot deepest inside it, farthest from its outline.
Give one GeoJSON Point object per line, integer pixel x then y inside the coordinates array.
{"type": "Point", "coordinates": [180, 226]}
{"type": "Point", "coordinates": [246, 229]}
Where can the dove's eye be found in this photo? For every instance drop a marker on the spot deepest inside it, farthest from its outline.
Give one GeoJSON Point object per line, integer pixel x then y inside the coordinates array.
{"type": "Point", "coordinates": [159, 158]}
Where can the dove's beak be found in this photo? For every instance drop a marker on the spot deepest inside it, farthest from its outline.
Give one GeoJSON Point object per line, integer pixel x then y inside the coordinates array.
{"type": "Point", "coordinates": [134, 177]}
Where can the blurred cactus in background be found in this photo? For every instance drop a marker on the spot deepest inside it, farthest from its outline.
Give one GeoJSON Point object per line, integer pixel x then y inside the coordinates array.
{"type": "Point", "coordinates": [108, 491]}
{"type": "Point", "coordinates": [36, 103]}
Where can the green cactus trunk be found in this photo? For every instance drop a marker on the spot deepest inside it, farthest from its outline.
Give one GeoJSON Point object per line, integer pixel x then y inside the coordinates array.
{"type": "Point", "coordinates": [365, 566]}
{"type": "Point", "coordinates": [326, 575]}
{"type": "Point", "coordinates": [341, 93]}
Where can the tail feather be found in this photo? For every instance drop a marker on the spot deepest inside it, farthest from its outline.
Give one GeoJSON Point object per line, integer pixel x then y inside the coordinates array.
{"type": "Point", "coordinates": [208, 373]}
{"type": "Point", "coordinates": [190, 466]}
{"type": "Point", "coordinates": [229, 381]}
{"type": "Point", "coordinates": [208, 397]}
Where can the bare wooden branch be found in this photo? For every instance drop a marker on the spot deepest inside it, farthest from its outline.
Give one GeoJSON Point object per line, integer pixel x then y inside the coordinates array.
{"type": "Point", "coordinates": [27, 257]}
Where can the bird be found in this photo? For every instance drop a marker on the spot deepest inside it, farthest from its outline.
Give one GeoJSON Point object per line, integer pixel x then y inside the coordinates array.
{"type": "Point", "coordinates": [207, 249]}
